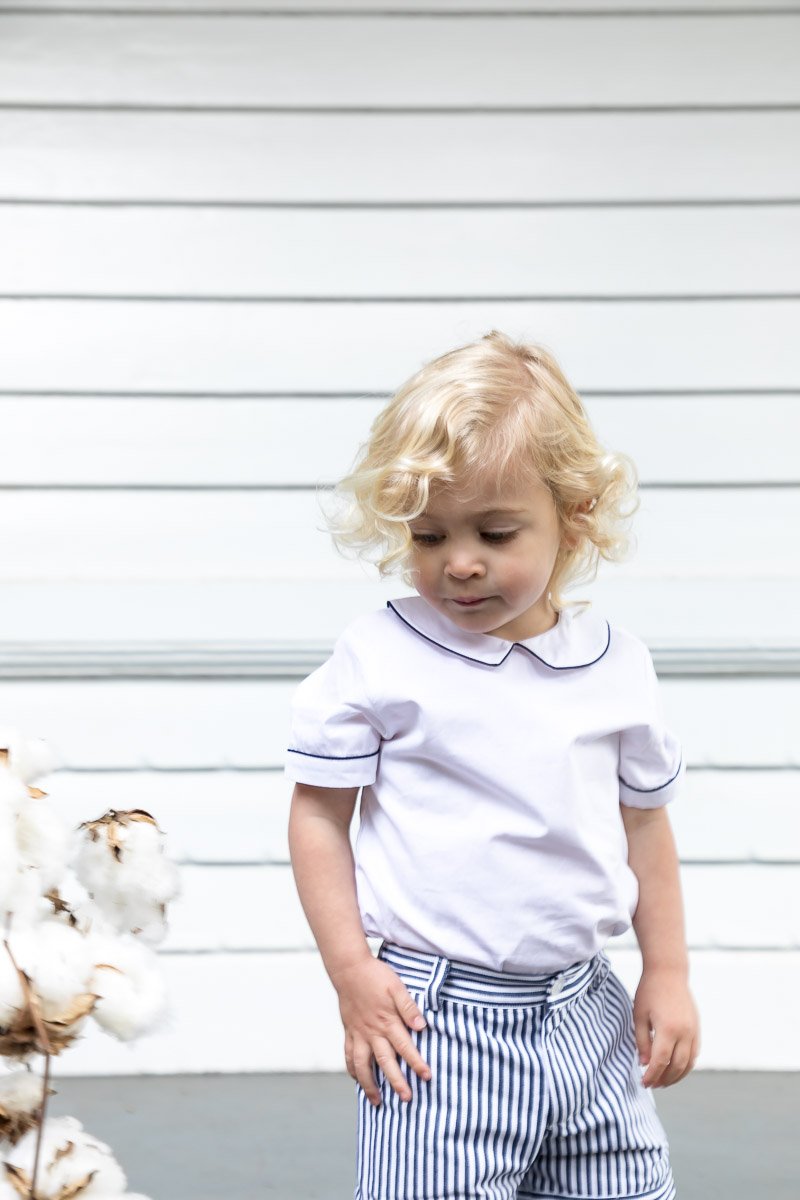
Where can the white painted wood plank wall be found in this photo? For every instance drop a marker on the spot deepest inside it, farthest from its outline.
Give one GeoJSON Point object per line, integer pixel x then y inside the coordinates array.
{"type": "Point", "coordinates": [227, 232]}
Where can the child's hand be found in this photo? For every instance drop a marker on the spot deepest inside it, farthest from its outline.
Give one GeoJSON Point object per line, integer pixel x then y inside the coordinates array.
{"type": "Point", "coordinates": [377, 1011]}
{"type": "Point", "coordinates": [663, 1004]}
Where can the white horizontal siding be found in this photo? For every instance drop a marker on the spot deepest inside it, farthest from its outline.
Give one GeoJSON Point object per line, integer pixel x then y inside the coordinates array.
{"type": "Point", "coordinates": [647, 252]}
{"type": "Point", "coordinates": [255, 908]}
{"type": "Point", "coordinates": [625, 158]}
{"type": "Point", "coordinates": [355, 172]}
{"type": "Point", "coordinates": [49, 627]}
{"type": "Point", "coordinates": [348, 346]}
{"type": "Point", "coordinates": [165, 535]}
{"type": "Point", "coordinates": [247, 907]}
{"type": "Point", "coordinates": [241, 61]}
{"type": "Point", "coordinates": [178, 724]}
{"type": "Point", "coordinates": [724, 816]}
{"type": "Point", "coordinates": [113, 441]}
{"type": "Point", "coordinates": [278, 1012]}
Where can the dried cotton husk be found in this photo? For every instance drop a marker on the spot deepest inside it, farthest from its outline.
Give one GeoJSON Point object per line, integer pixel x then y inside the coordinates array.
{"type": "Point", "coordinates": [21, 1095]}
{"type": "Point", "coordinates": [72, 1163]}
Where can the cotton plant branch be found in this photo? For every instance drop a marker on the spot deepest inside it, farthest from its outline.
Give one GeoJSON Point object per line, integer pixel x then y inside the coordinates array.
{"type": "Point", "coordinates": [43, 1044]}
{"type": "Point", "coordinates": [83, 910]}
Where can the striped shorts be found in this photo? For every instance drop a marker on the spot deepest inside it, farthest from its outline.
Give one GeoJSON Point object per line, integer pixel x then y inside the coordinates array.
{"type": "Point", "coordinates": [535, 1091]}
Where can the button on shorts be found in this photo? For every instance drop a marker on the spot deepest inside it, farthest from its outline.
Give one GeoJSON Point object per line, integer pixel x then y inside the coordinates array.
{"type": "Point", "coordinates": [535, 1092]}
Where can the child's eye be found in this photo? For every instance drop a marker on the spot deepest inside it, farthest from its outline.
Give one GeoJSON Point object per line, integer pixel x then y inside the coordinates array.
{"type": "Point", "coordinates": [497, 535]}
{"type": "Point", "coordinates": [426, 539]}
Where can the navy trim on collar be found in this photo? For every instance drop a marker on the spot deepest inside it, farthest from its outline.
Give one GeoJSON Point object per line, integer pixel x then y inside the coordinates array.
{"type": "Point", "coordinates": [578, 639]}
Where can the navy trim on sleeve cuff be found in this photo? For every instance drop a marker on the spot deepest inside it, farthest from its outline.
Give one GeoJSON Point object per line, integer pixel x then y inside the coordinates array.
{"type": "Point", "coordinates": [655, 789]}
{"type": "Point", "coordinates": [337, 757]}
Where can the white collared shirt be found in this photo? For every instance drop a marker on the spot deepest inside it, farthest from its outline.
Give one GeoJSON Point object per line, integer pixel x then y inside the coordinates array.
{"type": "Point", "coordinates": [492, 774]}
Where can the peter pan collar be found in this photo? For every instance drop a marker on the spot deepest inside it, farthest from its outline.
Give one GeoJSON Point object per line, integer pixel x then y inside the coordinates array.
{"type": "Point", "coordinates": [579, 638]}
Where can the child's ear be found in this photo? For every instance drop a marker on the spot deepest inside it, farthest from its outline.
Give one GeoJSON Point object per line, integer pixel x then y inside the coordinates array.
{"type": "Point", "coordinates": [572, 539]}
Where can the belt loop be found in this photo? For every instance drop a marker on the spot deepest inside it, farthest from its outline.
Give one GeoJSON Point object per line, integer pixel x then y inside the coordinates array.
{"type": "Point", "coordinates": [438, 975]}
{"type": "Point", "coordinates": [602, 970]}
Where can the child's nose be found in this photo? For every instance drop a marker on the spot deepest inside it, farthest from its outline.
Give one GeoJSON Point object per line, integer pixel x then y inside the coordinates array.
{"type": "Point", "coordinates": [464, 563]}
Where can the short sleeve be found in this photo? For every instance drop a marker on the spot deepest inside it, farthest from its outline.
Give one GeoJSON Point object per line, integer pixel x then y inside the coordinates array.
{"type": "Point", "coordinates": [651, 765]}
{"type": "Point", "coordinates": [333, 738]}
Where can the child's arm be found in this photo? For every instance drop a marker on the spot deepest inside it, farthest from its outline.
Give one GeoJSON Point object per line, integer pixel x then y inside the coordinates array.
{"type": "Point", "coordinates": [374, 1003]}
{"type": "Point", "coordinates": [663, 1001]}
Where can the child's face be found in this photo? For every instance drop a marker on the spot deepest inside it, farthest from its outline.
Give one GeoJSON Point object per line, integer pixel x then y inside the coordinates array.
{"type": "Point", "coordinates": [497, 548]}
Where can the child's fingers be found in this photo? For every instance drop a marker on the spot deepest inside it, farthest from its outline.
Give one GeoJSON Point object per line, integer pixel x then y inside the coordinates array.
{"type": "Point", "coordinates": [641, 1026]}
{"type": "Point", "coordinates": [660, 1056]}
{"type": "Point", "coordinates": [359, 1065]}
{"type": "Point", "coordinates": [386, 1058]}
{"type": "Point", "coordinates": [683, 1059]}
{"type": "Point", "coordinates": [679, 1061]}
{"type": "Point", "coordinates": [408, 1051]}
{"type": "Point", "coordinates": [406, 1007]}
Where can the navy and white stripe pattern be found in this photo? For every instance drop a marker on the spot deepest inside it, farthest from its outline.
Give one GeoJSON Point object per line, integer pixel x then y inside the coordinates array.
{"type": "Point", "coordinates": [535, 1092]}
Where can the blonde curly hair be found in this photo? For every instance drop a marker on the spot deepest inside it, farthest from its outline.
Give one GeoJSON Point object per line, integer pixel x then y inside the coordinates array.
{"type": "Point", "coordinates": [494, 410]}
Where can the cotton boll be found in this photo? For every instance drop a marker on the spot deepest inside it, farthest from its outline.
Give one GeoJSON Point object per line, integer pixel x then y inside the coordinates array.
{"type": "Point", "coordinates": [43, 841]}
{"type": "Point", "coordinates": [20, 1091]}
{"type": "Point", "coordinates": [40, 846]}
{"type": "Point", "coordinates": [128, 981]}
{"type": "Point", "coordinates": [121, 863]}
{"type": "Point", "coordinates": [92, 862]}
{"type": "Point", "coordinates": [34, 846]}
{"type": "Point", "coordinates": [20, 1101]}
{"type": "Point", "coordinates": [55, 973]}
{"type": "Point", "coordinates": [28, 758]}
{"type": "Point", "coordinates": [154, 876]}
{"type": "Point", "coordinates": [69, 1156]}
{"type": "Point", "coordinates": [25, 900]}
{"type": "Point", "coordinates": [56, 959]}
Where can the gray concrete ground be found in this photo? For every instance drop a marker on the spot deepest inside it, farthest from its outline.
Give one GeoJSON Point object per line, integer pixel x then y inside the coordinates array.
{"type": "Point", "coordinates": [734, 1136]}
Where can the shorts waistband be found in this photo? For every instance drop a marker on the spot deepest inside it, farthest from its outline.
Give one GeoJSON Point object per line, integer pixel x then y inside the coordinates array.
{"type": "Point", "coordinates": [439, 977]}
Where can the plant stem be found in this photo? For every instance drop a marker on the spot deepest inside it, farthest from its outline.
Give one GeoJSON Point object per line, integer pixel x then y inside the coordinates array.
{"type": "Point", "coordinates": [33, 1005]}
{"type": "Point", "coordinates": [41, 1125]}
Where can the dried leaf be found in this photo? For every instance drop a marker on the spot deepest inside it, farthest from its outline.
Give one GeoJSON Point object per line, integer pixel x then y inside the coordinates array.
{"type": "Point", "coordinates": [61, 906]}
{"type": "Point", "coordinates": [69, 1191]}
{"type": "Point", "coordinates": [14, 1125]}
{"type": "Point", "coordinates": [80, 1006]}
{"type": "Point", "coordinates": [140, 814]}
{"type": "Point", "coordinates": [20, 1180]}
{"type": "Point", "coordinates": [36, 793]}
{"type": "Point", "coordinates": [23, 1036]}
